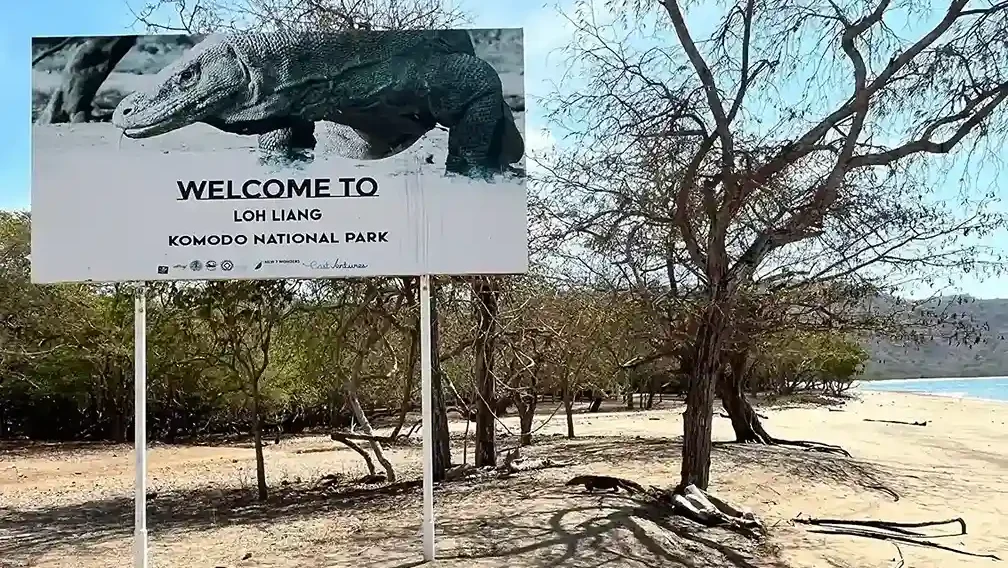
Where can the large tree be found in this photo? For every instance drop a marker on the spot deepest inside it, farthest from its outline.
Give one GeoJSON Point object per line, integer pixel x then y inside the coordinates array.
{"type": "Point", "coordinates": [724, 143]}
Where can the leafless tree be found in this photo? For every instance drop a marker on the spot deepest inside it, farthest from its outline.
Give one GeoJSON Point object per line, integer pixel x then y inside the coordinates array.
{"type": "Point", "coordinates": [758, 144]}
{"type": "Point", "coordinates": [203, 16]}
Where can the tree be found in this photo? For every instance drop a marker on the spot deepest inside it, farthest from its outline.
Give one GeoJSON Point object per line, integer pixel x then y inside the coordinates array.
{"type": "Point", "coordinates": [91, 62]}
{"type": "Point", "coordinates": [243, 318]}
{"type": "Point", "coordinates": [485, 300]}
{"type": "Point", "coordinates": [728, 155]}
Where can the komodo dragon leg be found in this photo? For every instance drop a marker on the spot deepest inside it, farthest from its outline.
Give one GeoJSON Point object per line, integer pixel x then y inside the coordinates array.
{"type": "Point", "coordinates": [482, 136]}
{"type": "Point", "coordinates": [289, 145]}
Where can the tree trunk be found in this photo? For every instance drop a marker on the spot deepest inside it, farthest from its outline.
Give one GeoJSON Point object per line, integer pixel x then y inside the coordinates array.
{"type": "Point", "coordinates": [744, 419]}
{"type": "Point", "coordinates": [407, 397]}
{"type": "Point", "coordinates": [257, 440]}
{"type": "Point", "coordinates": [568, 402]}
{"type": "Point", "coordinates": [486, 307]}
{"type": "Point", "coordinates": [411, 358]}
{"type": "Point", "coordinates": [596, 404]}
{"type": "Point", "coordinates": [439, 422]}
{"type": "Point", "coordinates": [699, 415]}
{"type": "Point", "coordinates": [526, 413]}
{"type": "Point", "coordinates": [83, 75]}
{"type": "Point", "coordinates": [361, 451]}
{"type": "Point", "coordinates": [365, 425]}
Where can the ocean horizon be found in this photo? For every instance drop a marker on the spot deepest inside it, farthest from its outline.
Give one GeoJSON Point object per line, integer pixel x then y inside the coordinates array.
{"type": "Point", "coordinates": [979, 388]}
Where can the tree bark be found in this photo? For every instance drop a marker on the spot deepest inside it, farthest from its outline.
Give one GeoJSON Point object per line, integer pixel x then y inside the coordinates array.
{"type": "Point", "coordinates": [411, 358]}
{"type": "Point", "coordinates": [486, 306]}
{"type": "Point", "coordinates": [257, 440]}
{"type": "Point", "coordinates": [356, 447]}
{"type": "Point", "coordinates": [568, 402]}
{"type": "Point", "coordinates": [439, 422]}
{"type": "Point", "coordinates": [596, 404]}
{"type": "Point", "coordinates": [745, 421]}
{"type": "Point", "coordinates": [365, 424]}
{"type": "Point", "coordinates": [526, 406]}
{"type": "Point", "coordinates": [699, 415]}
{"type": "Point", "coordinates": [83, 75]}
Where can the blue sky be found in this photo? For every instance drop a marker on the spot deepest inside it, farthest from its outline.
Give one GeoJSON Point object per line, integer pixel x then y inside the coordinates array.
{"type": "Point", "coordinates": [544, 30]}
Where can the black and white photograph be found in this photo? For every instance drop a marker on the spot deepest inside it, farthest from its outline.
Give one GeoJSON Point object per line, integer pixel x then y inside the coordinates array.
{"type": "Point", "coordinates": [452, 99]}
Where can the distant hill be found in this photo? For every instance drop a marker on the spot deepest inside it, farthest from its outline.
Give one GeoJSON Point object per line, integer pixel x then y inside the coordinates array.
{"type": "Point", "coordinates": [984, 355]}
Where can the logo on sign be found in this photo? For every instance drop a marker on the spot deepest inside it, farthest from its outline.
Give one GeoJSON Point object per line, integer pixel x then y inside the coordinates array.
{"type": "Point", "coordinates": [226, 265]}
{"type": "Point", "coordinates": [162, 269]}
{"type": "Point", "coordinates": [196, 266]}
{"type": "Point", "coordinates": [211, 265]}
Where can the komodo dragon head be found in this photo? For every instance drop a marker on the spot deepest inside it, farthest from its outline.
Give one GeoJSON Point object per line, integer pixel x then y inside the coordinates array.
{"type": "Point", "coordinates": [209, 83]}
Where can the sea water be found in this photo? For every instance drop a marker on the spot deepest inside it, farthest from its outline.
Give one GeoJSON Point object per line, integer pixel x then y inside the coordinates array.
{"type": "Point", "coordinates": [986, 388]}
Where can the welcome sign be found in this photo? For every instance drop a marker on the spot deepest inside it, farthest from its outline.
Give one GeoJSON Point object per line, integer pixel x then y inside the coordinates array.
{"type": "Point", "coordinates": [217, 158]}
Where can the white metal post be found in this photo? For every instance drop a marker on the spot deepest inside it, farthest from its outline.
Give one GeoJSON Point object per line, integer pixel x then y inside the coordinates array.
{"type": "Point", "coordinates": [426, 413]}
{"type": "Point", "coordinates": [140, 426]}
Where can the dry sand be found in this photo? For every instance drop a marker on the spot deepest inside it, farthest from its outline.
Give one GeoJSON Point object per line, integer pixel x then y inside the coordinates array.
{"type": "Point", "coordinates": [72, 507]}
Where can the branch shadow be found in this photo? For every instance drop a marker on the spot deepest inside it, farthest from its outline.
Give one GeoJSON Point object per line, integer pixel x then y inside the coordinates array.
{"type": "Point", "coordinates": [612, 531]}
{"type": "Point", "coordinates": [32, 531]}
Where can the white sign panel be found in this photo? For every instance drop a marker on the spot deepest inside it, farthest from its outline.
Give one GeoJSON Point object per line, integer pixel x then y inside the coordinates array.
{"type": "Point", "coordinates": [290, 156]}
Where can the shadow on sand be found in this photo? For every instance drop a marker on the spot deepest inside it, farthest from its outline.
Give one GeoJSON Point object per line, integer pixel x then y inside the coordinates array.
{"type": "Point", "coordinates": [529, 520]}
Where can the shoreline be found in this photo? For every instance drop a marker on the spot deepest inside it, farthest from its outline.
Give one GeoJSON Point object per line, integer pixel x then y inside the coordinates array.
{"type": "Point", "coordinates": [932, 395]}
{"type": "Point", "coordinates": [919, 387]}
{"type": "Point", "coordinates": [935, 379]}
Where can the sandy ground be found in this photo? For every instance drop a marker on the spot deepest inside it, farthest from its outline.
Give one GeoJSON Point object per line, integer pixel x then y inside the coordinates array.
{"type": "Point", "coordinates": [72, 507]}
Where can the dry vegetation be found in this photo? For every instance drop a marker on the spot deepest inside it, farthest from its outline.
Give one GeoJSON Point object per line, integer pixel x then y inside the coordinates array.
{"type": "Point", "coordinates": [728, 216]}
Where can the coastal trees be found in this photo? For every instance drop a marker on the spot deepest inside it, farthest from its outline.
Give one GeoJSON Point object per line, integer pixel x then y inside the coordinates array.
{"type": "Point", "coordinates": [757, 145]}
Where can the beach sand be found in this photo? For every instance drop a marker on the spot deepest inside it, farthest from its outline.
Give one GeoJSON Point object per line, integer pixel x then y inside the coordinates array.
{"type": "Point", "coordinates": [64, 506]}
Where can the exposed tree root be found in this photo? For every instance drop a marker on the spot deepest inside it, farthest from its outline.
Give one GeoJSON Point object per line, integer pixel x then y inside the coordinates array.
{"type": "Point", "coordinates": [811, 446]}
{"type": "Point", "coordinates": [896, 532]}
{"type": "Point", "coordinates": [806, 444]}
{"type": "Point", "coordinates": [690, 502]}
{"type": "Point", "coordinates": [884, 489]}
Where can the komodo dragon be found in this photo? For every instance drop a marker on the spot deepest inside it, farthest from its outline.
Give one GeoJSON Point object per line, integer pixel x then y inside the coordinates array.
{"type": "Point", "coordinates": [390, 87]}
{"type": "Point", "coordinates": [613, 484]}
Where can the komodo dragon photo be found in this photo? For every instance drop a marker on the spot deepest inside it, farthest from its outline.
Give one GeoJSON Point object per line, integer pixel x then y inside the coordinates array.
{"type": "Point", "coordinates": [392, 88]}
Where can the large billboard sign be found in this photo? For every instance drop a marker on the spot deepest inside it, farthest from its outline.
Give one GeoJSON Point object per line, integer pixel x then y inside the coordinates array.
{"type": "Point", "coordinates": [278, 155]}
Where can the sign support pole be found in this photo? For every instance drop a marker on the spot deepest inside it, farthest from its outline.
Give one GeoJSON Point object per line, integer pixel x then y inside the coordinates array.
{"type": "Point", "coordinates": [426, 422]}
{"type": "Point", "coordinates": [140, 426]}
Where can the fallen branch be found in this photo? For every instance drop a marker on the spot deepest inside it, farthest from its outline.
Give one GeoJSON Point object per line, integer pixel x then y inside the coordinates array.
{"type": "Point", "coordinates": [900, 538]}
{"type": "Point", "coordinates": [925, 423]}
{"type": "Point", "coordinates": [887, 525]}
